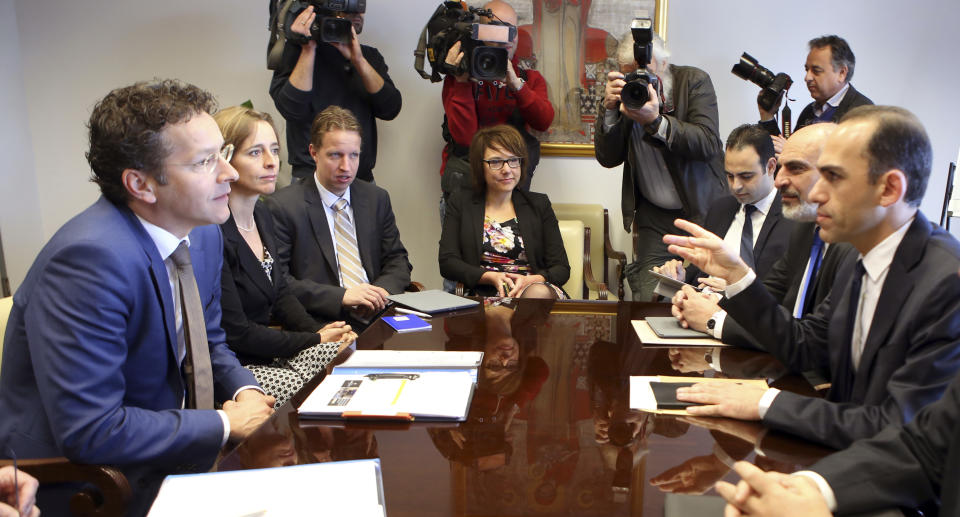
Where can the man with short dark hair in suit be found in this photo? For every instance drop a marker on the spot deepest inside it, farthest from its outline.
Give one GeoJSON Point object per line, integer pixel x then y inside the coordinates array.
{"type": "Point", "coordinates": [750, 217]}
{"type": "Point", "coordinates": [338, 238]}
{"type": "Point", "coordinates": [828, 72]}
{"type": "Point", "coordinates": [105, 358]}
{"type": "Point", "coordinates": [887, 336]}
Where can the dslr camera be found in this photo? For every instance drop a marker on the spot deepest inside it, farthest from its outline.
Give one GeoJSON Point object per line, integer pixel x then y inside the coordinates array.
{"type": "Point", "coordinates": [330, 24]}
{"type": "Point", "coordinates": [772, 86]}
{"type": "Point", "coordinates": [634, 94]}
{"type": "Point", "coordinates": [482, 44]}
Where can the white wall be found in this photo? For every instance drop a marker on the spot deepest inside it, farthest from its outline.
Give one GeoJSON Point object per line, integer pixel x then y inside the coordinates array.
{"type": "Point", "coordinates": [19, 206]}
{"type": "Point", "coordinates": [72, 53]}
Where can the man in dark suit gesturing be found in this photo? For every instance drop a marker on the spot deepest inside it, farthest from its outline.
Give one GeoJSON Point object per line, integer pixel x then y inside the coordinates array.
{"type": "Point", "coordinates": [750, 218]}
{"type": "Point", "coordinates": [886, 348]}
{"type": "Point", "coordinates": [116, 328]}
{"type": "Point", "coordinates": [337, 238]}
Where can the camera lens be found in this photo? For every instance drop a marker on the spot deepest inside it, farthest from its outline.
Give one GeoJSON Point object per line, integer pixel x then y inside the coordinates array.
{"type": "Point", "coordinates": [489, 63]}
{"type": "Point", "coordinates": [634, 94]}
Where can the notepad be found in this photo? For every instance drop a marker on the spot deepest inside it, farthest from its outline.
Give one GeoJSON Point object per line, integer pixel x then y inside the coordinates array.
{"type": "Point", "coordinates": [432, 396]}
{"type": "Point", "coordinates": [352, 488]}
{"type": "Point", "coordinates": [650, 338]}
{"type": "Point", "coordinates": [407, 323]}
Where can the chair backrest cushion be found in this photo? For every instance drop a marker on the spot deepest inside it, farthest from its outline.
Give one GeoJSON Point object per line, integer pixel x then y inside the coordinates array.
{"type": "Point", "coordinates": [572, 234]}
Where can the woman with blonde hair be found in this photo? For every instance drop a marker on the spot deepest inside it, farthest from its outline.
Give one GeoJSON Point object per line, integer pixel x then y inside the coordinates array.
{"type": "Point", "coordinates": [268, 328]}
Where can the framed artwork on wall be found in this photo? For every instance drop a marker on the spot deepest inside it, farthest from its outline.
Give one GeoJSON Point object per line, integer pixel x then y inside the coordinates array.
{"type": "Point", "coordinates": [573, 44]}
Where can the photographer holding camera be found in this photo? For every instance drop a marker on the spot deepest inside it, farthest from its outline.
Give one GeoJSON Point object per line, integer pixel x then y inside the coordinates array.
{"type": "Point", "coordinates": [324, 64]}
{"type": "Point", "coordinates": [669, 146]}
{"type": "Point", "coordinates": [520, 100]}
{"type": "Point", "coordinates": [829, 69]}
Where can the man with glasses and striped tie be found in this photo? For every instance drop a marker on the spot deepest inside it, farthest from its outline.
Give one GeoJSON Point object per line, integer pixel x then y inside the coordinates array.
{"type": "Point", "coordinates": [339, 239]}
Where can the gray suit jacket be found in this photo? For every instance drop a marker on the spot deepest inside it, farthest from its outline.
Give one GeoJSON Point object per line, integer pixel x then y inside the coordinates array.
{"type": "Point", "coordinates": [693, 151]}
{"type": "Point", "coordinates": [909, 357]}
{"type": "Point", "coordinates": [305, 248]}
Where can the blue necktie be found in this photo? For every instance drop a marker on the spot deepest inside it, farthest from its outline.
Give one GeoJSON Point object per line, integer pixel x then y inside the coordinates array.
{"type": "Point", "coordinates": [827, 114]}
{"type": "Point", "coordinates": [746, 237]}
{"type": "Point", "coordinates": [808, 287]}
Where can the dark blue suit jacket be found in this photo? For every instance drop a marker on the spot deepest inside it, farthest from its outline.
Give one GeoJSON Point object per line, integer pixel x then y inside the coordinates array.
{"type": "Point", "coordinates": [910, 355]}
{"type": "Point", "coordinates": [89, 365]}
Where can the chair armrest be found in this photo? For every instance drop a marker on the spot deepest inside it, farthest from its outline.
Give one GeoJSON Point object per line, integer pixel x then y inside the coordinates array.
{"type": "Point", "coordinates": [114, 489]}
{"type": "Point", "coordinates": [588, 279]}
{"type": "Point", "coordinates": [460, 290]}
{"type": "Point", "coordinates": [414, 287]}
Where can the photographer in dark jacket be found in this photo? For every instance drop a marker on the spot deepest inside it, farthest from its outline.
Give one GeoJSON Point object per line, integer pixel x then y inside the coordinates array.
{"type": "Point", "coordinates": [670, 149]}
{"type": "Point", "coordinates": [315, 75]}
{"type": "Point", "coordinates": [828, 71]}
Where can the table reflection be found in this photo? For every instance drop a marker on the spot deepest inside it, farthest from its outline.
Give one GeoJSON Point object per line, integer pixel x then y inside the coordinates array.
{"type": "Point", "coordinates": [550, 430]}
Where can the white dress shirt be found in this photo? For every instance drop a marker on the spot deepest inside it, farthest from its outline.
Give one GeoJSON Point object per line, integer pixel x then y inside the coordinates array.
{"type": "Point", "coordinates": [732, 237]}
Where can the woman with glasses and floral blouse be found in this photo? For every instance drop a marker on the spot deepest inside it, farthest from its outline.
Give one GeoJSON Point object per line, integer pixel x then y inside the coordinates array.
{"type": "Point", "coordinates": [498, 240]}
{"type": "Point", "coordinates": [268, 328]}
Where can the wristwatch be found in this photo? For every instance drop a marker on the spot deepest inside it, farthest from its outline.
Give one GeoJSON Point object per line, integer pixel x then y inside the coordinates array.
{"type": "Point", "coordinates": [711, 324]}
{"type": "Point", "coordinates": [708, 356]}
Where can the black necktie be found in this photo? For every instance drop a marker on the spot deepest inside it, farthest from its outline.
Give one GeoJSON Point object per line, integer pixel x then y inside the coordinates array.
{"type": "Point", "coordinates": [196, 363]}
{"type": "Point", "coordinates": [842, 389]}
{"type": "Point", "coordinates": [746, 237]}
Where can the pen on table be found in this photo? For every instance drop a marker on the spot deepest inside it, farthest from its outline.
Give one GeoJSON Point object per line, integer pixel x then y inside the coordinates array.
{"type": "Point", "coordinates": [401, 310]}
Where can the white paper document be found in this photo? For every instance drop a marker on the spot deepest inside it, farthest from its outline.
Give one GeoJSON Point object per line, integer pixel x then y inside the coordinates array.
{"type": "Point", "coordinates": [425, 395]}
{"type": "Point", "coordinates": [352, 488]}
{"type": "Point", "coordinates": [412, 359]}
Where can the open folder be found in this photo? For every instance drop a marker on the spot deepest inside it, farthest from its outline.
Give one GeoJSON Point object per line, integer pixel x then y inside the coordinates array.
{"type": "Point", "coordinates": [438, 396]}
{"type": "Point", "coordinates": [658, 394]}
{"type": "Point", "coordinates": [352, 488]}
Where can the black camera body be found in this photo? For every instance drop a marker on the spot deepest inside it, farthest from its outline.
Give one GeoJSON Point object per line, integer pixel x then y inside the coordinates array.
{"type": "Point", "coordinates": [329, 26]}
{"type": "Point", "coordinates": [451, 23]}
{"type": "Point", "coordinates": [772, 86]}
{"type": "Point", "coordinates": [635, 94]}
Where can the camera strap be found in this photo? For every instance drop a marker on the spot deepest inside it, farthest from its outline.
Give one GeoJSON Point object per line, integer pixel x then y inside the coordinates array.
{"type": "Point", "coordinates": [420, 54]}
{"type": "Point", "coordinates": [277, 34]}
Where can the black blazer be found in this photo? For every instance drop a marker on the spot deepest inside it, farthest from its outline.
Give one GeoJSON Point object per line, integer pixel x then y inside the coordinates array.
{"type": "Point", "coordinates": [770, 243]}
{"type": "Point", "coordinates": [461, 240]}
{"type": "Point", "coordinates": [693, 151]}
{"type": "Point", "coordinates": [851, 100]}
{"type": "Point", "coordinates": [305, 248]}
{"type": "Point", "coordinates": [251, 302]}
{"type": "Point", "coordinates": [909, 357]}
{"type": "Point", "coordinates": [907, 467]}
{"type": "Point", "coordinates": [784, 278]}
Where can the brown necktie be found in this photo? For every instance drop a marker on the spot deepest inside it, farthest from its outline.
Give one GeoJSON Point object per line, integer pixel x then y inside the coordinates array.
{"type": "Point", "coordinates": [196, 364]}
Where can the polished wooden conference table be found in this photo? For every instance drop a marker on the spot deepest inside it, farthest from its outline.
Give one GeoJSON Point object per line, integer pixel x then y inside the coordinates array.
{"type": "Point", "coordinates": [550, 431]}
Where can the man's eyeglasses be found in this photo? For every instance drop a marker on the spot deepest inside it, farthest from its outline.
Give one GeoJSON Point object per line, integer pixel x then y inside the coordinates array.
{"type": "Point", "coordinates": [209, 163]}
{"type": "Point", "coordinates": [497, 163]}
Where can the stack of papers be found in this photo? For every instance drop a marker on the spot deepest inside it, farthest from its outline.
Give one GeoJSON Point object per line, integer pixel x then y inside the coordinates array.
{"type": "Point", "coordinates": [363, 362]}
{"type": "Point", "coordinates": [352, 488]}
{"type": "Point", "coordinates": [439, 396]}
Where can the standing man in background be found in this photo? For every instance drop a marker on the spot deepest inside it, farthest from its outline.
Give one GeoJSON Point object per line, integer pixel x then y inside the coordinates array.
{"type": "Point", "coordinates": [315, 75]}
{"type": "Point", "coordinates": [670, 149]}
